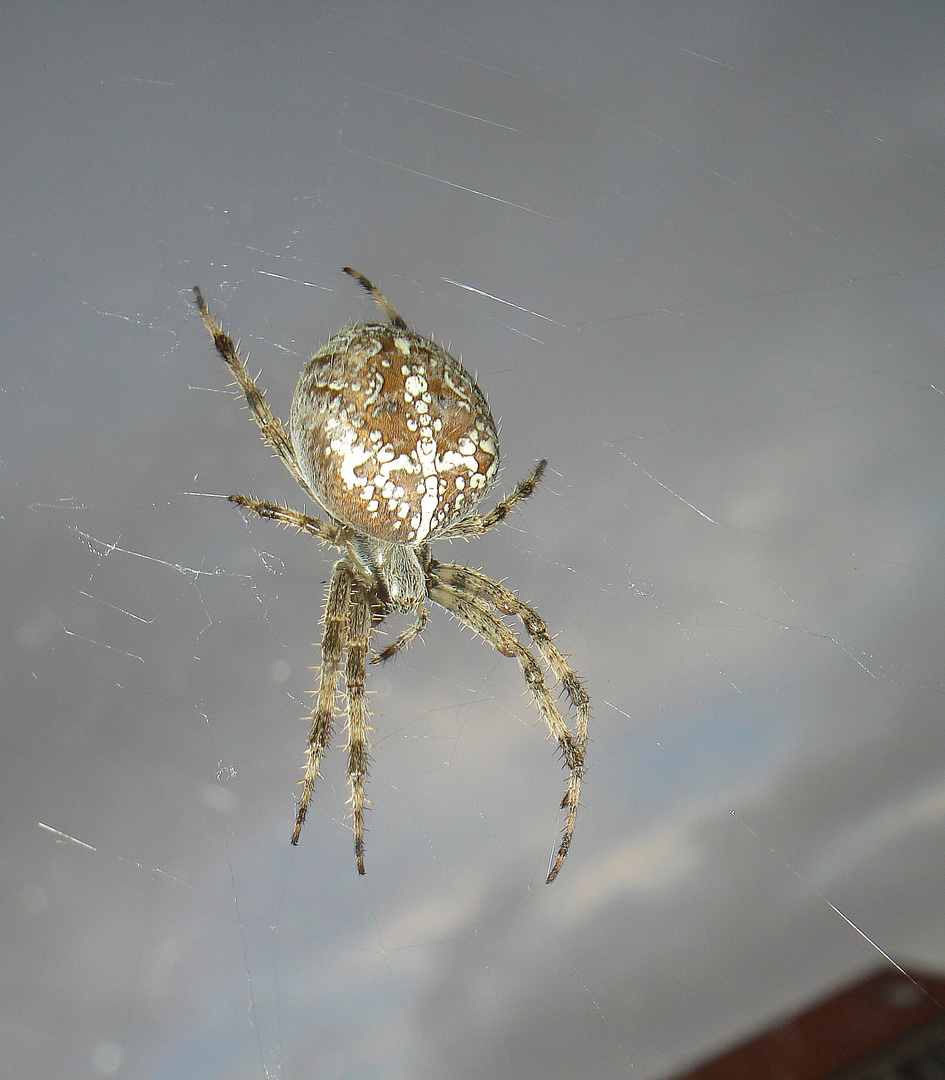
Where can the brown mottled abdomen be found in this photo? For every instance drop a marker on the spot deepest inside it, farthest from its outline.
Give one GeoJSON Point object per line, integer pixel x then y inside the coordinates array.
{"type": "Point", "coordinates": [392, 433]}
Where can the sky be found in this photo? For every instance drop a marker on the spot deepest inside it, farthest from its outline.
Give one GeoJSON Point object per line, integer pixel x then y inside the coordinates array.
{"type": "Point", "coordinates": [693, 255]}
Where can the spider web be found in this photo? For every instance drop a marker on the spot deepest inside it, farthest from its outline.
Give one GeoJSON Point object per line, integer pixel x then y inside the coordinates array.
{"type": "Point", "coordinates": [694, 257]}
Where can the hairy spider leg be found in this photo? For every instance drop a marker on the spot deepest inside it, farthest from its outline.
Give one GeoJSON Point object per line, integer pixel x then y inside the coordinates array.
{"type": "Point", "coordinates": [474, 613]}
{"type": "Point", "coordinates": [323, 716]}
{"type": "Point", "coordinates": [359, 756]}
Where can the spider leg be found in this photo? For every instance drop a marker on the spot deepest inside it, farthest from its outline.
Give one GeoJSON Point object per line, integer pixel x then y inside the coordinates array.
{"type": "Point", "coordinates": [271, 427]}
{"type": "Point", "coordinates": [359, 757]}
{"type": "Point", "coordinates": [390, 312]}
{"type": "Point", "coordinates": [333, 640]}
{"type": "Point", "coordinates": [476, 583]}
{"type": "Point", "coordinates": [405, 638]}
{"type": "Point", "coordinates": [476, 524]}
{"type": "Point", "coordinates": [326, 531]}
{"type": "Point", "coordinates": [472, 611]}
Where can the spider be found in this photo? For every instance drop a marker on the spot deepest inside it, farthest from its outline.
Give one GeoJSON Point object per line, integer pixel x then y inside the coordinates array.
{"type": "Point", "coordinates": [392, 437]}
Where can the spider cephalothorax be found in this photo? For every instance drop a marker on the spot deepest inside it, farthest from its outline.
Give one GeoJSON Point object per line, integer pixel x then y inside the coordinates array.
{"type": "Point", "coordinates": [393, 438]}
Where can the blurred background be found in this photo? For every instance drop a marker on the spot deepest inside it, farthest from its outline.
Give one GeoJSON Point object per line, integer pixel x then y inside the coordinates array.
{"type": "Point", "coordinates": [694, 254]}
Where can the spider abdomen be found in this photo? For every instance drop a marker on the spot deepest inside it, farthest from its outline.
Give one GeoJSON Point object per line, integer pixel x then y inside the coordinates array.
{"type": "Point", "coordinates": [392, 433]}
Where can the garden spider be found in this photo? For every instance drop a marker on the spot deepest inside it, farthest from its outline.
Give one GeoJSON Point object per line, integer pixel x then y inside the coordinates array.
{"type": "Point", "coordinates": [394, 440]}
